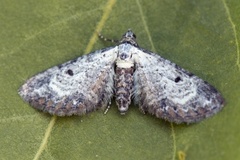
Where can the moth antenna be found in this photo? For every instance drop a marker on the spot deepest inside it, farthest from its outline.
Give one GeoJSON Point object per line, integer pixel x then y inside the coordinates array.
{"type": "Point", "coordinates": [107, 39]}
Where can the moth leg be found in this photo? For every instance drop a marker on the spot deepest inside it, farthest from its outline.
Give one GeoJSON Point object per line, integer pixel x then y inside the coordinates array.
{"type": "Point", "coordinates": [108, 107]}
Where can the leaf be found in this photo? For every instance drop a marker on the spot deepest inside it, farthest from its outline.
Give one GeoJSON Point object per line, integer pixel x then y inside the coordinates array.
{"type": "Point", "coordinates": [201, 36]}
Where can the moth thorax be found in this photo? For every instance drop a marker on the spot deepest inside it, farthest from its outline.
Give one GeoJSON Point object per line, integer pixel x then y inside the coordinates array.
{"type": "Point", "coordinates": [124, 64]}
{"type": "Point", "coordinates": [124, 88]}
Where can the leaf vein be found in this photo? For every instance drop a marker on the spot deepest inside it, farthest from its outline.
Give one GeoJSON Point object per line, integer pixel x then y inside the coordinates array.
{"type": "Point", "coordinates": [100, 25]}
{"type": "Point", "coordinates": [234, 31]}
{"type": "Point", "coordinates": [145, 25]}
{"type": "Point", "coordinates": [36, 34]}
{"type": "Point", "coordinates": [45, 139]}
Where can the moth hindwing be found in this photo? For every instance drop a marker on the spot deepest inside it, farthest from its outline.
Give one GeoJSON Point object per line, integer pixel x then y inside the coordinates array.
{"type": "Point", "coordinates": [89, 82]}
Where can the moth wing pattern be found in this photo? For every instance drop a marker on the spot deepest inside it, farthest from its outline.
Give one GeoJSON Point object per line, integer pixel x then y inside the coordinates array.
{"type": "Point", "coordinates": [167, 91]}
{"type": "Point", "coordinates": [74, 88]}
{"type": "Point", "coordinates": [157, 85]}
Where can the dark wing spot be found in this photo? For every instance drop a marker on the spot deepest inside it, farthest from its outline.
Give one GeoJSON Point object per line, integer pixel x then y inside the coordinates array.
{"type": "Point", "coordinates": [175, 108]}
{"type": "Point", "coordinates": [69, 72]}
{"type": "Point", "coordinates": [177, 79]}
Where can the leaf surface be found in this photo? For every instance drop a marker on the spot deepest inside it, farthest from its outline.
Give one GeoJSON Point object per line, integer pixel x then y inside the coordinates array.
{"type": "Point", "coordinates": [200, 36]}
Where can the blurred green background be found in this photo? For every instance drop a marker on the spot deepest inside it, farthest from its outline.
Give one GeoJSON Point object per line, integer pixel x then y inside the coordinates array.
{"type": "Point", "coordinates": [201, 36]}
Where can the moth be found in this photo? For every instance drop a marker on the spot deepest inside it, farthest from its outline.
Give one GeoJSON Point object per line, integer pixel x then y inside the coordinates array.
{"type": "Point", "coordinates": [126, 72]}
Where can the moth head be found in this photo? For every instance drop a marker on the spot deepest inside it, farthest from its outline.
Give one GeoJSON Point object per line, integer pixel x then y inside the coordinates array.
{"type": "Point", "coordinates": [129, 34]}
{"type": "Point", "coordinates": [129, 37]}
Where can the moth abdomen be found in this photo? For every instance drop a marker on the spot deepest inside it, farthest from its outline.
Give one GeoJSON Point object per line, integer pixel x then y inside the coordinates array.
{"type": "Point", "coordinates": [124, 88]}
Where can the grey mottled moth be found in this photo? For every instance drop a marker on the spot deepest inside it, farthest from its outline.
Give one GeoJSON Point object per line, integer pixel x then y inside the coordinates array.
{"type": "Point", "coordinates": [126, 71]}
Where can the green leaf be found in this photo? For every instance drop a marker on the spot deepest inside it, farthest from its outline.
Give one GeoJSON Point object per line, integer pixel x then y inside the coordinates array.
{"type": "Point", "coordinates": [201, 36]}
